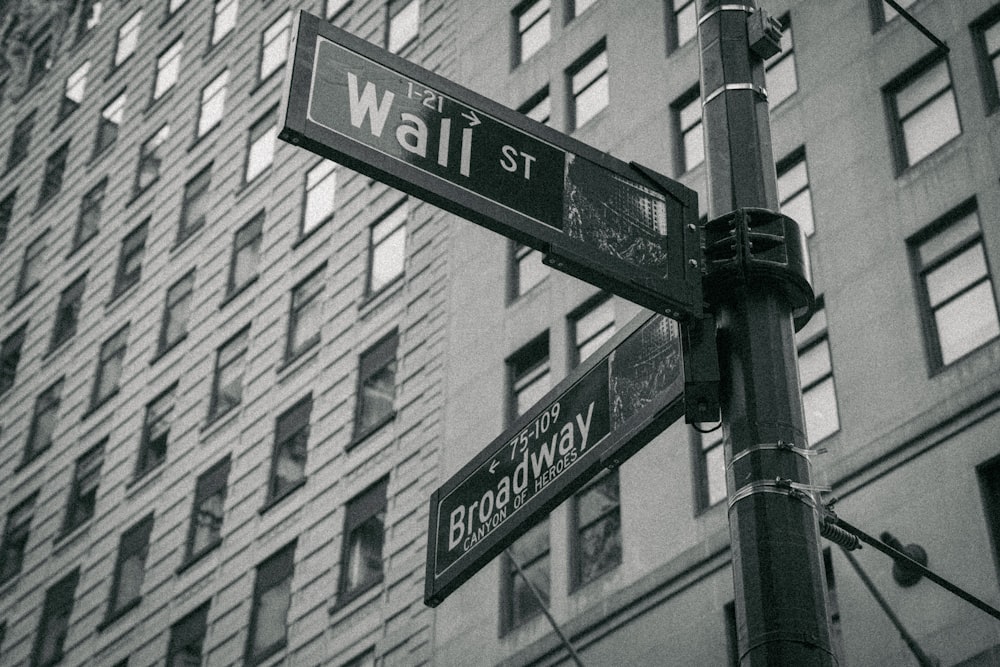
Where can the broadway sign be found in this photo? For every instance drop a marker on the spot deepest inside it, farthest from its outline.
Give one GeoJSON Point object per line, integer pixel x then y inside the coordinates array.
{"type": "Point", "coordinates": [625, 394]}
{"type": "Point", "coordinates": [615, 225]}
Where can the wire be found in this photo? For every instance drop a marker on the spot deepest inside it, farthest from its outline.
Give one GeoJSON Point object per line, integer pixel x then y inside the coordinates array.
{"type": "Point", "coordinates": [918, 25]}
{"type": "Point", "coordinates": [714, 428]}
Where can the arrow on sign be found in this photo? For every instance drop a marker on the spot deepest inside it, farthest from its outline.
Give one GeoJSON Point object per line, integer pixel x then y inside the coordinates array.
{"type": "Point", "coordinates": [472, 118]}
{"type": "Point", "coordinates": [493, 466]}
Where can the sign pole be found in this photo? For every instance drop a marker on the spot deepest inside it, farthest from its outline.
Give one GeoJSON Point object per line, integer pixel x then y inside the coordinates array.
{"type": "Point", "coordinates": [755, 283]}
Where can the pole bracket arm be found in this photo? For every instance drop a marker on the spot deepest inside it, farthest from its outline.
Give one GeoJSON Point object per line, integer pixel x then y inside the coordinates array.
{"type": "Point", "coordinates": [750, 246]}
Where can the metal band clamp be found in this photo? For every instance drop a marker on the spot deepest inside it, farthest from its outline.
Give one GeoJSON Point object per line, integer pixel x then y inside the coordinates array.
{"type": "Point", "coordinates": [726, 8]}
{"type": "Point", "coordinates": [785, 487]}
{"type": "Point", "coordinates": [783, 446]}
{"type": "Point", "coordinates": [761, 91]}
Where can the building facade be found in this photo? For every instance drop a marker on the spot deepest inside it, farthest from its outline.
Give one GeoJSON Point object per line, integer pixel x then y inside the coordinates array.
{"type": "Point", "coordinates": [232, 373]}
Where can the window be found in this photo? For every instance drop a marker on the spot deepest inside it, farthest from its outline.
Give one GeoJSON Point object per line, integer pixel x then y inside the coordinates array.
{"type": "Point", "coordinates": [683, 24]}
{"type": "Point", "coordinates": [15, 538]}
{"type": "Point", "coordinates": [334, 7]}
{"type": "Point", "coordinates": [364, 537]}
{"type": "Point", "coordinates": [89, 17]}
{"type": "Point", "coordinates": [597, 527]}
{"type": "Point", "coordinates": [52, 179]}
{"type": "Point", "coordinates": [130, 569]}
{"type": "Point", "coordinates": [272, 596]}
{"type": "Point", "coordinates": [246, 254]}
{"type": "Point", "coordinates": [882, 12]}
{"type": "Point", "coordinates": [43, 421]}
{"type": "Point", "coordinates": [589, 85]}
{"type": "Point", "coordinates": [87, 224]}
{"type": "Point", "coordinates": [780, 68]}
{"type": "Point", "coordinates": [109, 367]}
{"type": "Point", "coordinates": [306, 317]}
{"type": "Point", "coordinates": [20, 140]}
{"type": "Point", "coordinates": [195, 204]}
{"type": "Point", "coordinates": [10, 357]}
{"type": "Point", "coordinates": [376, 386]}
{"type": "Point", "coordinates": [527, 269]}
{"type": "Point", "coordinates": [592, 327]}
{"type": "Point", "coordinates": [291, 435]}
{"type": "Point", "coordinates": [321, 188]}
{"type": "Point", "coordinates": [529, 376]}
{"type": "Point", "coordinates": [577, 7]}
{"type": "Point", "coordinates": [274, 45]}
{"type": "Point", "coordinates": [366, 659]}
{"type": "Point", "coordinates": [68, 312]}
{"type": "Point", "coordinates": [224, 19]}
{"type": "Point", "coordinates": [819, 396]}
{"type": "Point", "coordinates": [922, 110]}
{"type": "Point", "coordinates": [986, 37]}
{"type": "Point", "coordinates": [954, 287]}
{"type": "Point", "coordinates": [174, 5]}
{"type": "Point", "coordinates": [690, 134]}
{"type": "Point", "coordinates": [213, 102]}
{"type": "Point", "coordinates": [710, 467]}
{"type": "Point", "coordinates": [168, 67]}
{"type": "Point", "coordinates": [151, 155]}
{"type": "Point", "coordinates": [76, 86]}
{"type": "Point", "coordinates": [6, 214]}
{"type": "Point", "coordinates": [205, 531]}
{"type": "Point", "coordinates": [186, 638]}
{"type": "Point", "coordinates": [533, 23]}
{"type": "Point", "coordinates": [538, 107]}
{"type": "Point", "coordinates": [155, 432]}
{"type": "Point", "coordinates": [227, 384]}
{"type": "Point", "coordinates": [387, 249]}
{"type": "Point", "coordinates": [793, 191]}
{"type": "Point", "coordinates": [128, 38]}
{"type": "Point", "coordinates": [130, 259]}
{"type": "Point", "coordinates": [989, 487]}
{"type": "Point", "coordinates": [41, 62]}
{"type": "Point", "coordinates": [531, 552]}
{"type": "Point", "coordinates": [176, 312]}
{"type": "Point", "coordinates": [53, 626]}
{"type": "Point", "coordinates": [83, 493]}
{"type": "Point", "coordinates": [404, 24]}
{"type": "Point", "coordinates": [32, 266]}
{"type": "Point", "coordinates": [108, 124]}
{"type": "Point", "coordinates": [260, 147]}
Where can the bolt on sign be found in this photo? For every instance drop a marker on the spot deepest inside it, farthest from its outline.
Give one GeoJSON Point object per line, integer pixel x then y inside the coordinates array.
{"type": "Point", "coordinates": [618, 226]}
{"type": "Point", "coordinates": [618, 400]}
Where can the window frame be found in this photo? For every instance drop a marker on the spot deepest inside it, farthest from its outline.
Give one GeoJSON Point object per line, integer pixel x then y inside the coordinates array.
{"type": "Point", "coordinates": [88, 466]}
{"type": "Point", "coordinates": [510, 617]}
{"type": "Point", "coordinates": [214, 102]}
{"type": "Point", "coordinates": [11, 349]}
{"type": "Point", "coordinates": [809, 338]}
{"type": "Point", "coordinates": [158, 411]}
{"type": "Point", "coordinates": [54, 622]}
{"type": "Point", "coordinates": [211, 483]}
{"type": "Point", "coordinates": [371, 504]}
{"type": "Point", "coordinates": [105, 121]}
{"type": "Point", "coordinates": [34, 254]}
{"type": "Point", "coordinates": [396, 218]}
{"type": "Point", "coordinates": [258, 137]}
{"type": "Point", "coordinates": [309, 298]}
{"type": "Point", "coordinates": [150, 160]}
{"type": "Point", "coordinates": [289, 426]}
{"type": "Point", "coordinates": [709, 440]}
{"type": "Point", "coordinates": [518, 31]}
{"type": "Point", "coordinates": [214, 36]}
{"type": "Point", "coordinates": [197, 190]}
{"type": "Point", "coordinates": [89, 217]}
{"type": "Point", "coordinates": [371, 362]}
{"type": "Point", "coordinates": [285, 23]}
{"type": "Point", "coordinates": [132, 34]}
{"type": "Point", "coordinates": [54, 175]}
{"type": "Point", "coordinates": [691, 97]}
{"type": "Point", "coordinates": [530, 365]}
{"type": "Point", "coordinates": [394, 9]}
{"type": "Point", "coordinates": [67, 315]}
{"type": "Point", "coordinates": [276, 570]}
{"type": "Point", "coordinates": [88, 19]}
{"type": "Point", "coordinates": [577, 580]}
{"type": "Point", "coordinates": [7, 205]}
{"type": "Point", "coordinates": [167, 69]}
{"type": "Point", "coordinates": [590, 307]}
{"type": "Point", "coordinates": [16, 536]}
{"type": "Point", "coordinates": [111, 356]}
{"type": "Point", "coordinates": [255, 227]}
{"type": "Point", "coordinates": [778, 59]}
{"type": "Point", "coordinates": [241, 341]}
{"type": "Point", "coordinates": [581, 65]}
{"type": "Point", "coordinates": [538, 107]}
{"type": "Point", "coordinates": [46, 402]}
{"type": "Point", "coordinates": [133, 543]}
{"type": "Point", "coordinates": [75, 87]}
{"type": "Point", "coordinates": [132, 248]}
{"type": "Point", "coordinates": [185, 283]}
{"type": "Point", "coordinates": [674, 17]}
{"type": "Point", "coordinates": [325, 189]}
{"type": "Point", "coordinates": [190, 629]}
{"type": "Point", "coordinates": [987, 63]}
{"type": "Point", "coordinates": [20, 140]}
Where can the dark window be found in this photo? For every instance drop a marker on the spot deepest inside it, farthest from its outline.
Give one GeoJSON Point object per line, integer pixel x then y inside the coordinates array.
{"type": "Point", "coordinates": [206, 516]}
{"type": "Point", "coordinates": [272, 596]}
{"type": "Point", "coordinates": [260, 147]}
{"type": "Point", "coordinates": [176, 312]}
{"type": "Point", "coordinates": [41, 61]}
{"type": "Point", "coordinates": [588, 83]}
{"type": "Point", "coordinates": [74, 91]}
{"type": "Point", "coordinates": [168, 69]}
{"type": "Point", "coordinates": [16, 532]}
{"type": "Point", "coordinates": [531, 553]}
{"type": "Point", "coordinates": [922, 110]}
{"type": "Point", "coordinates": [690, 134]}
{"type": "Point", "coordinates": [305, 320]}
{"type": "Point", "coordinates": [954, 286]}
{"type": "Point", "coordinates": [213, 103]}
{"type": "Point", "coordinates": [10, 357]}
{"type": "Point", "coordinates": [539, 107]}
{"type": "Point", "coordinates": [130, 569]}
{"type": "Point", "coordinates": [532, 20]}
{"type": "Point", "coordinates": [130, 259]}
{"type": "Point", "coordinates": [20, 141]}
{"type": "Point", "coordinates": [989, 487]}
{"type": "Point", "coordinates": [109, 367]}
{"type": "Point", "coordinates": [128, 38]}
{"type": "Point", "coordinates": [376, 386]}
{"type": "Point", "coordinates": [364, 534]}
{"type": "Point", "coordinates": [68, 312]}
{"type": "Point", "coordinates": [88, 18]}
{"type": "Point", "coordinates": [387, 249]}
{"type": "Point", "coordinates": [155, 432]}
{"type": "Point", "coordinates": [32, 267]}
{"type": "Point", "coordinates": [732, 637]}
{"type": "Point", "coordinates": [52, 179]}
{"type": "Point", "coordinates": [576, 7]}
{"type": "Point", "coordinates": [527, 269]}
{"type": "Point", "coordinates": [597, 545]}
{"type": "Point", "coordinates": [528, 370]}
{"type": "Point", "coordinates": [6, 214]}
{"type": "Point", "coordinates": [195, 206]}
{"type": "Point", "coordinates": [227, 384]}
{"type": "Point", "coordinates": [780, 68]}
{"type": "Point", "coordinates": [819, 395]}
{"type": "Point", "coordinates": [186, 638]}
{"type": "Point", "coordinates": [291, 436]}
{"type": "Point", "coordinates": [274, 45]}
{"type": "Point", "coordinates": [591, 327]}
{"type": "Point", "coordinates": [53, 626]}
{"type": "Point", "coordinates": [43, 421]}
{"type": "Point", "coordinates": [404, 24]}
{"type": "Point", "coordinates": [246, 254]}
{"type": "Point", "coordinates": [223, 18]}
{"type": "Point", "coordinates": [83, 493]}
{"type": "Point", "coordinates": [683, 23]}
{"type": "Point", "coordinates": [320, 192]}
{"type": "Point", "coordinates": [151, 156]}
{"type": "Point", "coordinates": [108, 124]}
{"type": "Point", "coordinates": [986, 37]}
{"type": "Point", "coordinates": [88, 223]}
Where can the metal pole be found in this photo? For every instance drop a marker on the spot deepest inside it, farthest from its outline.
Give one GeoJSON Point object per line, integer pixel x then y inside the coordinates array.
{"type": "Point", "coordinates": [780, 598]}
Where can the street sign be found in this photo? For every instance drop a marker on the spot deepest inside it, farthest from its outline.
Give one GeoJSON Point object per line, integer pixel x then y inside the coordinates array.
{"type": "Point", "coordinates": [618, 226]}
{"type": "Point", "coordinates": [618, 400]}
